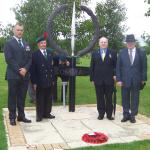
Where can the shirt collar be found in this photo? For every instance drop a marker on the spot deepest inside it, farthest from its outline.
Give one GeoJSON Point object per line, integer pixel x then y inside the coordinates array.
{"type": "Point", "coordinates": [133, 50]}
{"type": "Point", "coordinates": [17, 38]}
{"type": "Point", "coordinates": [42, 50]}
{"type": "Point", "coordinates": [103, 49]}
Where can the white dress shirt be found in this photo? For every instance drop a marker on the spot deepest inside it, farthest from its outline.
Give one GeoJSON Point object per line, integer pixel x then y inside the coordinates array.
{"type": "Point", "coordinates": [133, 54]}
{"type": "Point", "coordinates": [42, 51]}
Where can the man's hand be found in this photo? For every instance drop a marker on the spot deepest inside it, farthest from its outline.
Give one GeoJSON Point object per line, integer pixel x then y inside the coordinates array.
{"type": "Point", "coordinates": [92, 82]}
{"type": "Point", "coordinates": [22, 71]}
{"type": "Point", "coordinates": [120, 84]}
{"type": "Point", "coordinates": [34, 87]}
{"type": "Point", "coordinates": [114, 77]}
{"type": "Point", "coordinates": [67, 63]}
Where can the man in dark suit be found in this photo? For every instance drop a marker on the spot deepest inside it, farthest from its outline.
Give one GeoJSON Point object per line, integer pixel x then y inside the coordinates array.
{"type": "Point", "coordinates": [102, 74]}
{"type": "Point", "coordinates": [131, 72]}
{"type": "Point", "coordinates": [42, 76]}
{"type": "Point", "coordinates": [18, 58]}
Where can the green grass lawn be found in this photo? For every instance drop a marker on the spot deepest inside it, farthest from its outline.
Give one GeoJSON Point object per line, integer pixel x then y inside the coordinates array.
{"type": "Point", "coordinates": [140, 145]}
{"type": "Point", "coordinates": [85, 94]}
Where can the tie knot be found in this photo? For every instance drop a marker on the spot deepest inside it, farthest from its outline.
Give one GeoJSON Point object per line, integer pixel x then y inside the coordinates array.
{"type": "Point", "coordinates": [20, 42]}
{"type": "Point", "coordinates": [103, 50]}
{"type": "Point", "coordinates": [45, 53]}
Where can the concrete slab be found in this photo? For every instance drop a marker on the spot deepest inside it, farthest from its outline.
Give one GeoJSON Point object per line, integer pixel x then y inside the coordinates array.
{"type": "Point", "coordinates": [105, 126]}
{"type": "Point", "coordinates": [71, 130]}
{"type": "Point", "coordinates": [66, 130]}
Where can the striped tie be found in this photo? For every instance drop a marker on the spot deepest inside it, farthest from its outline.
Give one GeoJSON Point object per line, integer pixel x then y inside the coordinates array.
{"type": "Point", "coordinates": [45, 54]}
{"type": "Point", "coordinates": [20, 43]}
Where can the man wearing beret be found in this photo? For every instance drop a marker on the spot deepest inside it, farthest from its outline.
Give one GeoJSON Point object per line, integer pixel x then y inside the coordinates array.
{"type": "Point", "coordinates": [42, 75]}
{"type": "Point", "coordinates": [18, 58]}
{"type": "Point", "coordinates": [131, 73]}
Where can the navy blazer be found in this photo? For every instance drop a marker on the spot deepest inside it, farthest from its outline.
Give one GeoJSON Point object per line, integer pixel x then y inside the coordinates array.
{"type": "Point", "coordinates": [42, 72]}
{"type": "Point", "coordinates": [131, 74]}
{"type": "Point", "coordinates": [103, 71]}
{"type": "Point", "coordinates": [17, 57]}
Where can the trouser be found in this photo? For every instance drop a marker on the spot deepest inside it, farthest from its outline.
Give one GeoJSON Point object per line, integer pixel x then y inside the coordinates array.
{"type": "Point", "coordinates": [104, 99]}
{"type": "Point", "coordinates": [17, 90]}
{"type": "Point", "coordinates": [43, 102]}
{"type": "Point", "coordinates": [31, 92]}
{"type": "Point", "coordinates": [130, 100]}
{"type": "Point", "coordinates": [54, 90]}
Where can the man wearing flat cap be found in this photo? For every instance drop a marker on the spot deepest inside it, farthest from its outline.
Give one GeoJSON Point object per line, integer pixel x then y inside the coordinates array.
{"type": "Point", "coordinates": [131, 73]}
{"type": "Point", "coordinates": [42, 75]}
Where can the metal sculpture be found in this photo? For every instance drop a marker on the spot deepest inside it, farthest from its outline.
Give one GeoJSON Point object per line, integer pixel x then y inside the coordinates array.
{"type": "Point", "coordinates": [73, 71]}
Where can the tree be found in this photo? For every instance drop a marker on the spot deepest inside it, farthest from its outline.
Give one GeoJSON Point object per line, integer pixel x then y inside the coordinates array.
{"type": "Point", "coordinates": [148, 11]}
{"type": "Point", "coordinates": [6, 33]}
{"type": "Point", "coordinates": [34, 15]}
{"type": "Point", "coordinates": [111, 15]}
{"type": "Point", "coordinates": [146, 36]}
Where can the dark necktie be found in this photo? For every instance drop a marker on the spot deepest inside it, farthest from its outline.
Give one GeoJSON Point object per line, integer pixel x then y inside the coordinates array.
{"type": "Point", "coordinates": [130, 56]}
{"type": "Point", "coordinates": [45, 54]}
{"type": "Point", "coordinates": [20, 44]}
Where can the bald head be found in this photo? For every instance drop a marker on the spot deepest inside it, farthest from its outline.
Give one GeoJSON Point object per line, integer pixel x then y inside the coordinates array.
{"type": "Point", "coordinates": [103, 42]}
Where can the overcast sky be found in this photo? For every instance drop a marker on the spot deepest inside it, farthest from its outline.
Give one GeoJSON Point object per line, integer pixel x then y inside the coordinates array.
{"type": "Point", "coordinates": [136, 21]}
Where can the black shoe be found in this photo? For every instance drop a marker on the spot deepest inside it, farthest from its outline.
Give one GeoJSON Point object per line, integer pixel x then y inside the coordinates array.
{"type": "Point", "coordinates": [110, 118]}
{"type": "Point", "coordinates": [100, 118]}
{"type": "Point", "coordinates": [132, 120]}
{"type": "Point", "coordinates": [38, 119]}
{"type": "Point", "coordinates": [49, 116]}
{"type": "Point", "coordinates": [12, 122]}
{"type": "Point", "coordinates": [25, 120]}
{"type": "Point", "coordinates": [125, 119]}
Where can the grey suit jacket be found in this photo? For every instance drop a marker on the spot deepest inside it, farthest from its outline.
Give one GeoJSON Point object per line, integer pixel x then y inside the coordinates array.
{"type": "Point", "coordinates": [131, 74]}
{"type": "Point", "coordinates": [17, 57]}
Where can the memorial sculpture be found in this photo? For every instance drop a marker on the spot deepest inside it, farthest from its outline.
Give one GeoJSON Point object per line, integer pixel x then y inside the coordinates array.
{"type": "Point", "coordinates": [72, 71]}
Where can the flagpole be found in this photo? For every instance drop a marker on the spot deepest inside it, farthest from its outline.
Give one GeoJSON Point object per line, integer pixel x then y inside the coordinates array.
{"type": "Point", "coordinates": [73, 30]}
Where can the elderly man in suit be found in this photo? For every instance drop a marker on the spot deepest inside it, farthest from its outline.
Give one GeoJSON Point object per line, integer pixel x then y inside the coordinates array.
{"type": "Point", "coordinates": [42, 76]}
{"type": "Point", "coordinates": [18, 58]}
{"type": "Point", "coordinates": [102, 74]}
{"type": "Point", "coordinates": [131, 72]}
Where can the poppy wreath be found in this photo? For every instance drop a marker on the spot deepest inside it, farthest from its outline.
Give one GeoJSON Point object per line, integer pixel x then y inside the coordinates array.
{"type": "Point", "coordinates": [95, 138]}
{"type": "Point", "coordinates": [50, 31]}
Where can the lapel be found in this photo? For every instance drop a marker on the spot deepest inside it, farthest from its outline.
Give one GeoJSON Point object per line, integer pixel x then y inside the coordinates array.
{"type": "Point", "coordinates": [136, 57]}
{"type": "Point", "coordinates": [106, 56]}
{"type": "Point", "coordinates": [17, 44]}
{"type": "Point", "coordinates": [126, 55]}
{"type": "Point", "coordinates": [41, 55]}
{"type": "Point", "coordinates": [47, 60]}
{"type": "Point", "coordinates": [99, 55]}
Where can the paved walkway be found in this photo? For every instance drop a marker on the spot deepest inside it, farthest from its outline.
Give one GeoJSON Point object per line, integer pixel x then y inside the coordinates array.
{"type": "Point", "coordinates": [66, 130]}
